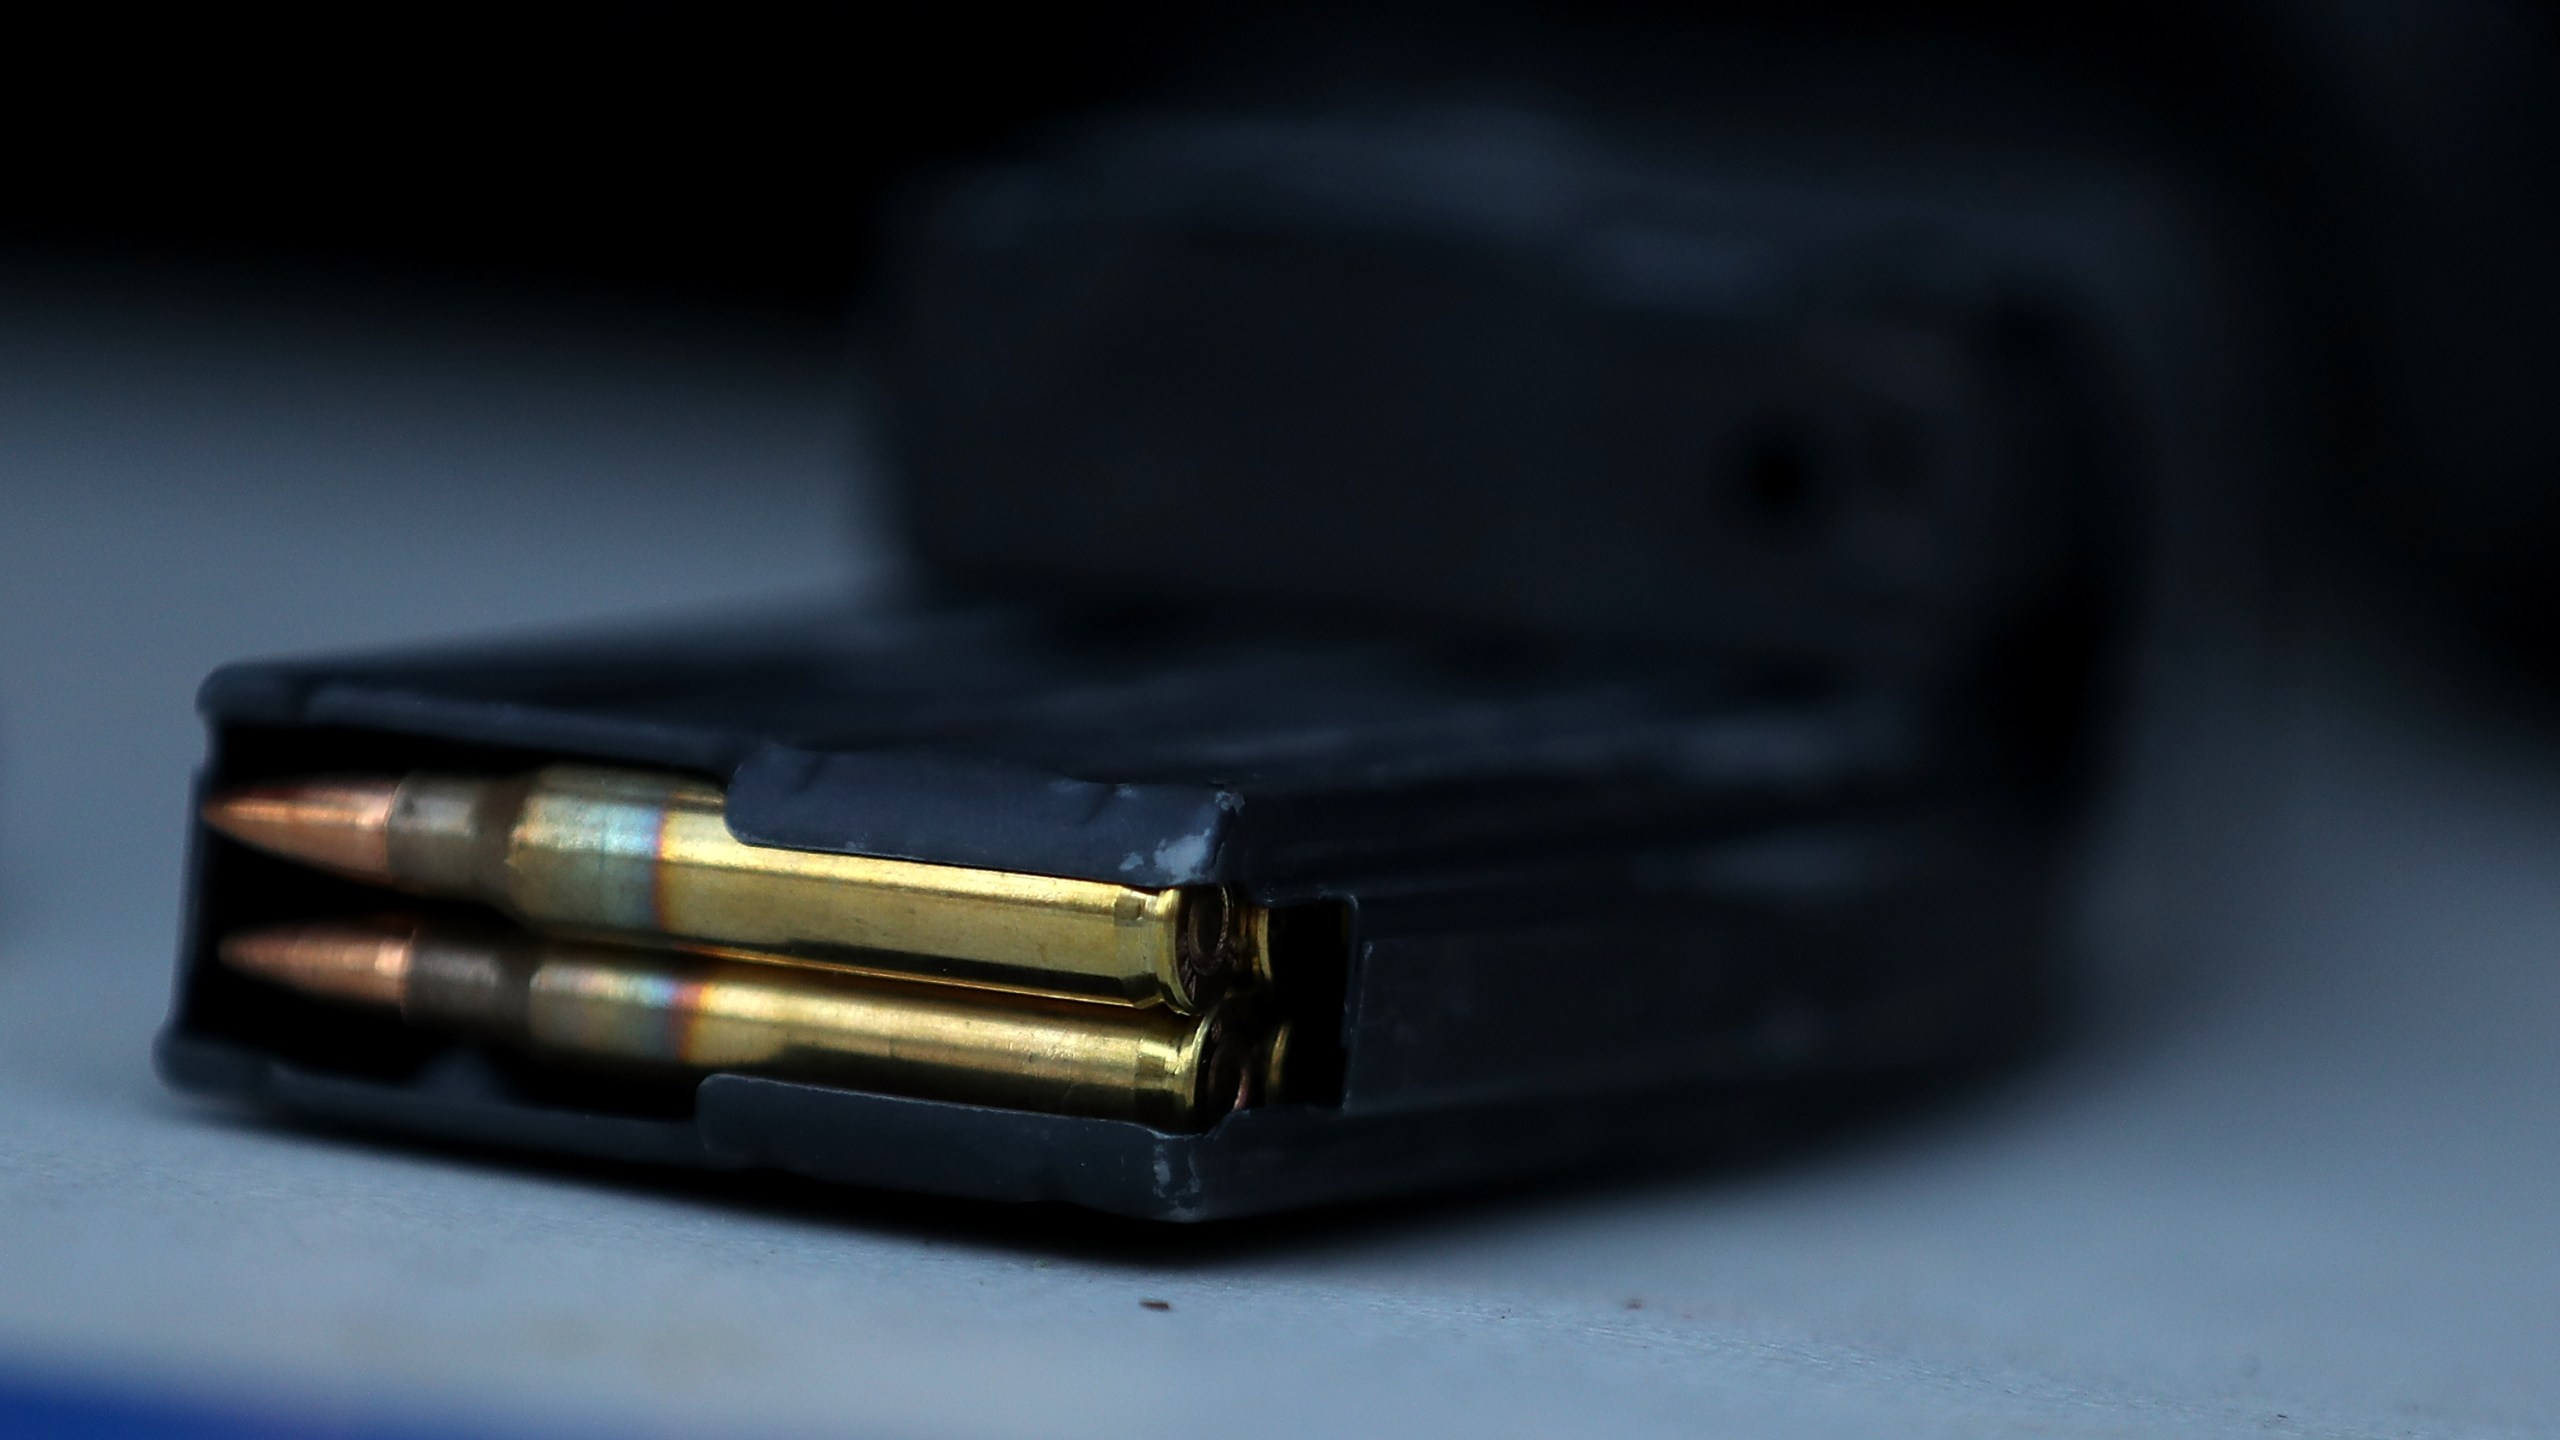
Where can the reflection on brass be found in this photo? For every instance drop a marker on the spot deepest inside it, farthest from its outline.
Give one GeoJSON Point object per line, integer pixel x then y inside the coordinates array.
{"type": "Point", "coordinates": [578, 1001]}
{"type": "Point", "coordinates": [649, 858]}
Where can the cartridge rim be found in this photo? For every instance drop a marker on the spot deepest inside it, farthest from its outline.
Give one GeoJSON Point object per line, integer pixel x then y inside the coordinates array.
{"type": "Point", "coordinates": [1218, 947]}
{"type": "Point", "coordinates": [1220, 1073]}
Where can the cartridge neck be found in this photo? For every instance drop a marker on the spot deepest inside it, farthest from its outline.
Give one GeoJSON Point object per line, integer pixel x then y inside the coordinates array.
{"type": "Point", "coordinates": [448, 834]}
{"type": "Point", "coordinates": [472, 981]}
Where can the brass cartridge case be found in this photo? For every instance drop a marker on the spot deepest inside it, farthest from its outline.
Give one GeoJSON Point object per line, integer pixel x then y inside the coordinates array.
{"type": "Point", "coordinates": [649, 858]}
{"type": "Point", "coordinates": [616, 1006]}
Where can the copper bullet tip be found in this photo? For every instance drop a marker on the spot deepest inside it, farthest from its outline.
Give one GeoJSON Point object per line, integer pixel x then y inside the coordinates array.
{"type": "Point", "coordinates": [365, 962]}
{"type": "Point", "coordinates": [338, 823]}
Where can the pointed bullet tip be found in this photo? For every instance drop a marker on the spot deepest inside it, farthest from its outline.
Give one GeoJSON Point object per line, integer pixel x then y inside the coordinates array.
{"type": "Point", "coordinates": [336, 823]}
{"type": "Point", "coordinates": [366, 962]}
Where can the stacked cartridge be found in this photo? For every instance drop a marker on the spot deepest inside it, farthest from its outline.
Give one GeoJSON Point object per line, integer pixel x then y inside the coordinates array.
{"type": "Point", "coordinates": [608, 919]}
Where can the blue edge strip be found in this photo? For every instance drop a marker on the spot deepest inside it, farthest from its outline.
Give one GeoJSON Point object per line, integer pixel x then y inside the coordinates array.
{"type": "Point", "coordinates": [31, 1410]}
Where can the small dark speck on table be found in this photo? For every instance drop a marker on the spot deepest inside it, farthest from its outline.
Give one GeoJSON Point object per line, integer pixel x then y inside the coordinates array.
{"type": "Point", "coordinates": [1157, 1304]}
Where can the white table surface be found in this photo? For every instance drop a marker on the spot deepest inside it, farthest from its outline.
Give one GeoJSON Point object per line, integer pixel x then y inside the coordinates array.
{"type": "Point", "coordinates": [2305, 1180]}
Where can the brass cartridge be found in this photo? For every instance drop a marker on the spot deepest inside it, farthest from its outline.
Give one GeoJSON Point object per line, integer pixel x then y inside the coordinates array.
{"type": "Point", "coordinates": [645, 857]}
{"type": "Point", "coordinates": [617, 1006]}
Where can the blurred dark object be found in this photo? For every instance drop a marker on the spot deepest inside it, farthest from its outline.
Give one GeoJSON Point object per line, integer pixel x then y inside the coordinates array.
{"type": "Point", "coordinates": [1495, 365]}
{"type": "Point", "coordinates": [1479, 364]}
{"type": "Point", "coordinates": [2397, 158]}
{"type": "Point", "coordinates": [2429, 210]}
